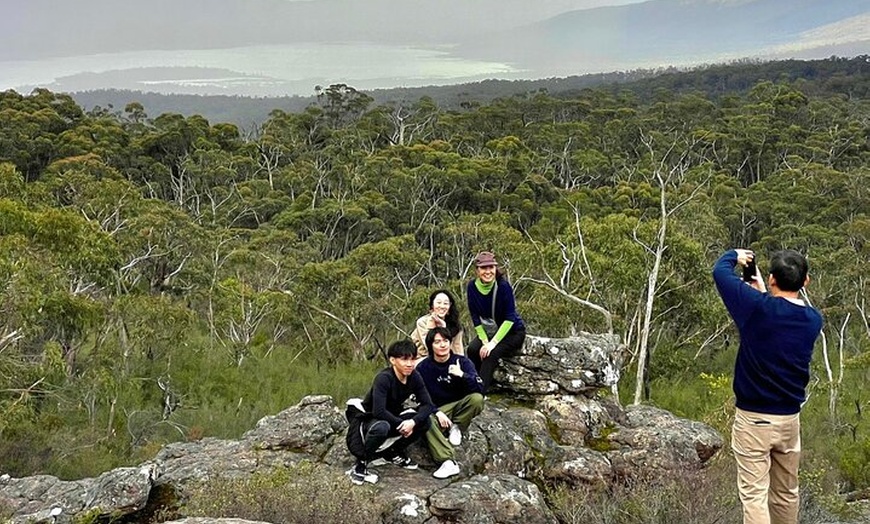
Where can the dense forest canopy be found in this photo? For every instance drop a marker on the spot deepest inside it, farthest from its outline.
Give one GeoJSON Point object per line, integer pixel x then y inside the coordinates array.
{"type": "Point", "coordinates": [165, 277]}
{"type": "Point", "coordinates": [824, 77]}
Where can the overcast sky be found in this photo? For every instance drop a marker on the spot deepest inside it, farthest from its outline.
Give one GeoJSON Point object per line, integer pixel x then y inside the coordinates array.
{"type": "Point", "coordinates": [267, 47]}
{"type": "Point", "coordinates": [33, 29]}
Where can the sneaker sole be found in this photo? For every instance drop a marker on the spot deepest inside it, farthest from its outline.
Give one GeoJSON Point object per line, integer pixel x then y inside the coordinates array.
{"type": "Point", "coordinates": [360, 482]}
{"type": "Point", "coordinates": [442, 476]}
{"type": "Point", "coordinates": [413, 465]}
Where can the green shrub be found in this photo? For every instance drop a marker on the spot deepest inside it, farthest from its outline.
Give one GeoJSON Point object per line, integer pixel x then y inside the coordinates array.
{"type": "Point", "coordinates": [855, 463]}
{"type": "Point", "coordinates": [5, 513]}
{"type": "Point", "coordinates": [301, 494]}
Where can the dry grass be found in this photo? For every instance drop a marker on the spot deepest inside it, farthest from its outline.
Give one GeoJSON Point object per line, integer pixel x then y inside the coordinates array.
{"type": "Point", "coordinates": [303, 494]}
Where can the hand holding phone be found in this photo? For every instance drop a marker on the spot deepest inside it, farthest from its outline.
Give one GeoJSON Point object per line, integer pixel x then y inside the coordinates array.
{"type": "Point", "coordinates": [750, 270]}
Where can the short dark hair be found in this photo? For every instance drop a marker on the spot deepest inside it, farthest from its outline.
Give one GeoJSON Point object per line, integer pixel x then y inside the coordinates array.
{"type": "Point", "coordinates": [402, 349]}
{"type": "Point", "coordinates": [789, 268]}
{"type": "Point", "coordinates": [437, 330]}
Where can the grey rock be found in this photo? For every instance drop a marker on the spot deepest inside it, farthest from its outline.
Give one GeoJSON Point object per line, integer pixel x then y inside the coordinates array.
{"type": "Point", "coordinates": [203, 520]}
{"type": "Point", "coordinates": [309, 427]}
{"type": "Point", "coordinates": [655, 439]}
{"type": "Point", "coordinates": [546, 366]}
{"type": "Point", "coordinates": [404, 494]}
{"type": "Point", "coordinates": [576, 465]}
{"type": "Point", "coordinates": [306, 431]}
{"type": "Point", "coordinates": [490, 499]}
{"type": "Point", "coordinates": [564, 431]}
{"type": "Point", "coordinates": [515, 437]}
{"type": "Point", "coordinates": [45, 498]}
{"type": "Point", "coordinates": [406, 508]}
{"type": "Point", "coordinates": [574, 417]}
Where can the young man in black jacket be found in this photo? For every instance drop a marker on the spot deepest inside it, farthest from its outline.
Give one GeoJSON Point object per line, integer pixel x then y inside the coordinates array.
{"type": "Point", "coordinates": [382, 416]}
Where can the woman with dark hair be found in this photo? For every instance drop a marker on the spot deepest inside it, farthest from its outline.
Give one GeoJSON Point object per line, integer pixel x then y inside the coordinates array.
{"type": "Point", "coordinates": [500, 329]}
{"type": "Point", "coordinates": [442, 313]}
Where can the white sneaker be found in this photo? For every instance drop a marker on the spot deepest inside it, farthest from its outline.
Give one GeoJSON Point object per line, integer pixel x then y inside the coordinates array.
{"type": "Point", "coordinates": [360, 475]}
{"type": "Point", "coordinates": [455, 435]}
{"type": "Point", "coordinates": [448, 469]}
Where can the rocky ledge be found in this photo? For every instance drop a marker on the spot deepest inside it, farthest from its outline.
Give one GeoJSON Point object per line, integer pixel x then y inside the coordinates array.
{"type": "Point", "coordinates": [551, 420]}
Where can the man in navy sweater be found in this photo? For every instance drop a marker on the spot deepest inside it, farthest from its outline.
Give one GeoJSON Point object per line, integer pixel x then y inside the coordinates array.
{"type": "Point", "coordinates": [777, 334]}
{"type": "Point", "coordinates": [457, 390]}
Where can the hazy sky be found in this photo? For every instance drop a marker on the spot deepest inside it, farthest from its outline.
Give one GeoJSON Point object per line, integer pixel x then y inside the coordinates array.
{"type": "Point", "coordinates": [269, 47]}
{"type": "Point", "coordinates": [257, 46]}
{"type": "Point", "coordinates": [32, 29]}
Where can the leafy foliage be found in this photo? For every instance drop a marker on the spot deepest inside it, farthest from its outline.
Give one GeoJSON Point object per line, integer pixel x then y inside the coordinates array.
{"type": "Point", "coordinates": [168, 278]}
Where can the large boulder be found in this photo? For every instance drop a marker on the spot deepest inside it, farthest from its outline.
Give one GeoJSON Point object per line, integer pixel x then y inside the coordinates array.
{"type": "Point", "coordinates": [576, 419]}
{"type": "Point", "coordinates": [567, 429]}
{"type": "Point", "coordinates": [548, 366]}
{"type": "Point", "coordinates": [486, 499]}
{"type": "Point", "coordinates": [45, 498]}
{"type": "Point", "coordinates": [655, 439]}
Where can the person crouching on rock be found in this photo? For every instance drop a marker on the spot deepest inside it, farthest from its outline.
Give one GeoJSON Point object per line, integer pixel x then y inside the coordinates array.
{"type": "Point", "coordinates": [457, 390]}
{"type": "Point", "coordinates": [379, 426]}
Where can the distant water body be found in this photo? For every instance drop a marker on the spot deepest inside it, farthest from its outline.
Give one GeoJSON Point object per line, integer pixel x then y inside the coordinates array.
{"type": "Point", "coordinates": [253, 71]}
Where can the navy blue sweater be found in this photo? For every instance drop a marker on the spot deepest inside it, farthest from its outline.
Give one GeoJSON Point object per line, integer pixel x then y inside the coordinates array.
{"type": "Point", "coordinates": [445, 388]}
{"type": "Point", "coordinates": [480, 305]}
{"type": "Point", "coordinates": [776, 343]}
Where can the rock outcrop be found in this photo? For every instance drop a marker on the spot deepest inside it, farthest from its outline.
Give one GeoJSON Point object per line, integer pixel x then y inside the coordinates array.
{"type": "Point", "coordinates": [565, 431]}
{"type": "Point", "coordinates": [548, 366]}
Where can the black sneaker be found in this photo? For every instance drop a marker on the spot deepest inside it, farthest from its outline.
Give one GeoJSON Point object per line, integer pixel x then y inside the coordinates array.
{"type": "Point", "coordinates": [403, 461]}
{"type": "Point", "coordinates": [360, 473]}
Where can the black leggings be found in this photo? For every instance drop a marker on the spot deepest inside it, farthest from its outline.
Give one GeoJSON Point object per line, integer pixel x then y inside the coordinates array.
{"type": "Point", "coordinates": [377, 432]}
{"type": "Point", "coordinates": [508, 346]}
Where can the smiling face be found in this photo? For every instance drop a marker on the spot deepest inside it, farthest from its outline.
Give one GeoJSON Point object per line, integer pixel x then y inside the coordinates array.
{"type": "Point", "coordinates": [440, 348]}
{"type": "Point", "coordinates": [440, 305]}
{"type": "Point", "coordinates": [486, 274]}
{"type": "Point", "coordinates": [403, 366]}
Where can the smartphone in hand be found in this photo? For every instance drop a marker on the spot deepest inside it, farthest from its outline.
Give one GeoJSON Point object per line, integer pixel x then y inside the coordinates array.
{"type": "Point", "coordinates": [749, 271]}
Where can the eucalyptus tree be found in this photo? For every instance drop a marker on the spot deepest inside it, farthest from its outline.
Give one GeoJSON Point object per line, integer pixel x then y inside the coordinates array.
{"type": "Point", "coordinates": [30, 126]}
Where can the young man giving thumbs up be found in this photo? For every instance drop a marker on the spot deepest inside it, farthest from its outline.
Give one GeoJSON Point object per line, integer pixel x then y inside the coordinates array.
{"type": "Point", "coordinates": [456, 390]}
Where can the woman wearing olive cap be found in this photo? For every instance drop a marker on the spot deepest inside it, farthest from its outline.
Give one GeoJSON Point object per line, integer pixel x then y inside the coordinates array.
{"type": "Point", "coordinates": [500, 329]}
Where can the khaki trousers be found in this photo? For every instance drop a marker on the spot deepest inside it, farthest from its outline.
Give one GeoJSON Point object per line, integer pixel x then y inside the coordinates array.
{"type": "Point", "coordinates": [460, 412]}
{"type": "Point", "coordinates": [767, 449]}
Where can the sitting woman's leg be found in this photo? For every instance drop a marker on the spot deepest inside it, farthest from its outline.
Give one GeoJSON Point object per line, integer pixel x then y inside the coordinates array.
{"type": "Point", "coordinates": [508, 346]}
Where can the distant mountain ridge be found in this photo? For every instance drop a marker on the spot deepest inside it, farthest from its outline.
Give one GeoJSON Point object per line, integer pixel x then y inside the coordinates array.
{"type": "Point", "coordinates": [508, 39]}
{"type": "Point", "coordinates": [848, 77]}
{"type": "Point", "coordinates": [663, 31]}
{"type": "Point", "coordinates": [530, 33]}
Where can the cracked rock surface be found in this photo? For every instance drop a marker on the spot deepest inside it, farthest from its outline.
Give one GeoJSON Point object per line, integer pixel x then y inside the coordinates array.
{"type": "Point", "coordinates": [549, 421]}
